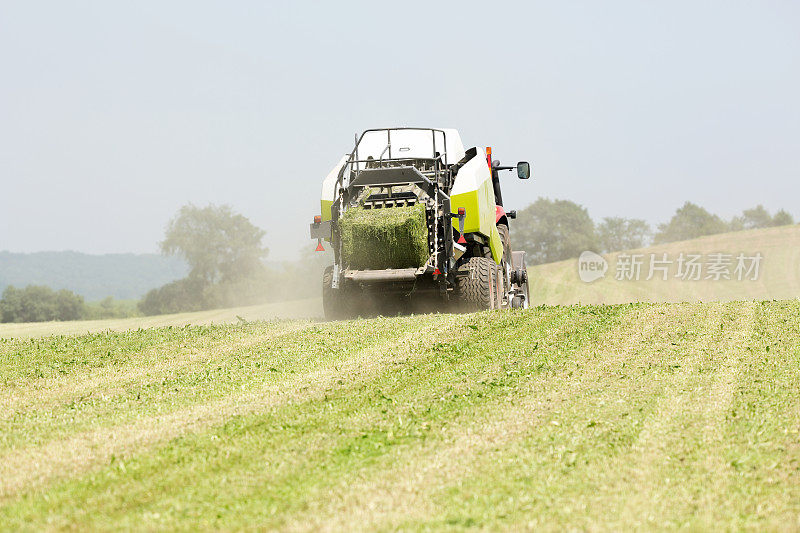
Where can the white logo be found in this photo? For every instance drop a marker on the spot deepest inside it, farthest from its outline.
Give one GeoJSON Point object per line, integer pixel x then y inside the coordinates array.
{"type": "Point", "coordinates": [591, 266]}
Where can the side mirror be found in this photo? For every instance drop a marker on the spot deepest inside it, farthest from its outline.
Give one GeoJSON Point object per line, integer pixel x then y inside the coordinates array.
{"type": "Point", "coordinates": [523, 170]}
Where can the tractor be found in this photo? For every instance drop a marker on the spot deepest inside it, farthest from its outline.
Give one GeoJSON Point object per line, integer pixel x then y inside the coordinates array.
{"type": "Point", "coordinates": [414, 218]}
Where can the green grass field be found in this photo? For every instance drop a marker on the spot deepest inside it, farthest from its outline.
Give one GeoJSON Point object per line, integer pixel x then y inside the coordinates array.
{"type": "Point", "coordinates": [559, 284]}
{"type": "Point", "coordinates": [647, 416]}
{"type": "Point", "coordinates": [309, 308]}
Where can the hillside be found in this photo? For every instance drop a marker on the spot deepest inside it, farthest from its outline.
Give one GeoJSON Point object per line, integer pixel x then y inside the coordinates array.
{"type": "Point", "coordinates": [123, 276]}
{"type": "Point", "coordinates": [779, 276]}
{"type": "Point", "coordinates": [613, 417]}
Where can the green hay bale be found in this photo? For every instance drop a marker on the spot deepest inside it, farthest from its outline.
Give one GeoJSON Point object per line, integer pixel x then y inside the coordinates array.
{"type": "Point", "coordinates": [393, 237]}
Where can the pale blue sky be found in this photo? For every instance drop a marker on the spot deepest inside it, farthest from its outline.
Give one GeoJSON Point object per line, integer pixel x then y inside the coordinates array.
{"type": "Point", "coordinates": [114, 114]}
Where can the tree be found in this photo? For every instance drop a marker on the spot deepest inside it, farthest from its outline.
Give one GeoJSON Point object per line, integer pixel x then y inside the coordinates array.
{"type": "Point", "coordinates": [38, 303]}
{"type": "Point", "coordinates": [617, 233]}
{"type": "Point", "coordinates": [689, 222]}
{"type": "Point", "coordinates": [188, 294]}
{"type": "Point", "coordinates": [755, 218]}
{"type": "Point", "coordinates": [782, 218]}
{"type": "Point", "coordinates": [758, 217]}
{"type": "Point", "coordinates": [218, 244]}
{"type": "Point", "coordinates": [224, 253]}
{"type": "Point", "coordinates": [552, 230]}
{"type": "Point", "coordinates": [68, 306]}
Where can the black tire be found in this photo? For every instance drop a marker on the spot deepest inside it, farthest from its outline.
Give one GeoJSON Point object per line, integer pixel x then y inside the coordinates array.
{"type": "Point", "coordinates": [333, 301]}
{"type": "Point", "coordinates": [477, 290]}
{"type": "Point", "coordinates": [502, 229]}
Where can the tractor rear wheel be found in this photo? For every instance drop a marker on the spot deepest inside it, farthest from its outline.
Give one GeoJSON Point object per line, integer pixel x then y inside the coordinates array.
{"type": "Point", "coordinates": [478, 290]}
{"type": "Point", "coordinates": [502, 229]}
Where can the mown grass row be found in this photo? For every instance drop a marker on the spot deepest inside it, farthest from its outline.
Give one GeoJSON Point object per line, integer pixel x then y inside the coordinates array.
{"type": "Point", "coordinates": [550, 417]}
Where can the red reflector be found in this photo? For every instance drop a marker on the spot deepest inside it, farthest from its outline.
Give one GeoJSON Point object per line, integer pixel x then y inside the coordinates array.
{"type": "Point", "coordinates": [319, 246]}
{"type": "Point", "coordinates": [436, 272]}
{"type": "Point", "coordinates": [462, 211]}
{"type": "Point", "coordinates": [462, 240]}
{"type": "Point", "coordinates": [317, 219]}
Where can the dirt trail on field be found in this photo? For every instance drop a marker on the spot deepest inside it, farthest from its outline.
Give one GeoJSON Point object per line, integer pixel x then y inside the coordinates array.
{"type": "Point", "coordinates": [24, 469]}
{"type": "Point", "coordinates": [404, 492]}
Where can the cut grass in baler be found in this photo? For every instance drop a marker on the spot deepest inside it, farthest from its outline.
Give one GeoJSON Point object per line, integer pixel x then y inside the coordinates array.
{"type": "Point", "coordinates": [392, 237]}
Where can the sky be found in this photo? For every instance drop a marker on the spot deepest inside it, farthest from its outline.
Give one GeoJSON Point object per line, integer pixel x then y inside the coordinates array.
{"type": "Point", "coordinates": [115, 114]}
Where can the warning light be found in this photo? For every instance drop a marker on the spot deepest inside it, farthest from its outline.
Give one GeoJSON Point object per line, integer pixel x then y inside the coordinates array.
{"type": "Point", "coordinates": [317, 219]}
{"type": "Point", "coordinates": [489, 156]}
{"type": "Point", "coordinates": [462, 211]}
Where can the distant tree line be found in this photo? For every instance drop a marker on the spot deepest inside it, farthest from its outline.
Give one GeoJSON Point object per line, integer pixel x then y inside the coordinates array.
{"type": "Point", "coordinates": [553, 230]}
{"type": "Point", "coordinates": [225, 255]}
{"type": "Point", "coordinates": [38, 303]}
{"type": "Point", "coordinates": [226, 268]}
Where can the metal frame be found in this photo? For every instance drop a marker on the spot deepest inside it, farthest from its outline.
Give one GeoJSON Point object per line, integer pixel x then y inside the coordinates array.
{"type": "Point", "coordinates": [434, 179]}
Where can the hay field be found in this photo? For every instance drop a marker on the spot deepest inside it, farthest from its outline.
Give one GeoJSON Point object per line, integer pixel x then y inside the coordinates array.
{"type": "Point", "coordinates": [306, 308]}
{"type": "Point", "coordinates": [644, 416]}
